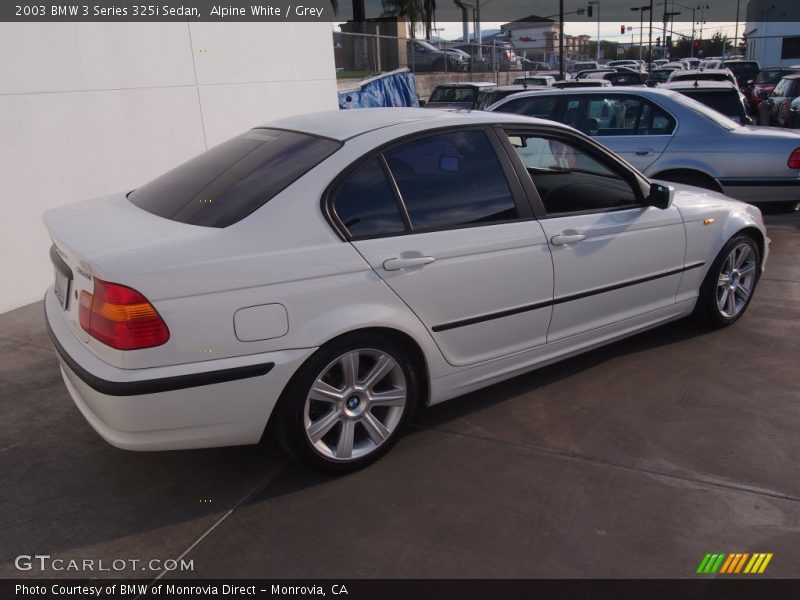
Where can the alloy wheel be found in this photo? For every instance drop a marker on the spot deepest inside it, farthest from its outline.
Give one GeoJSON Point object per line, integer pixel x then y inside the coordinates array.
{"type": "Point", "coordinates": [736, 280]}
{"type": "Point", "coordinates": [355, 404]}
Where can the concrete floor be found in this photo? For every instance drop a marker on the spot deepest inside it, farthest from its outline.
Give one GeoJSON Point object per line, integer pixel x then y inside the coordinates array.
{"type": "Point", "coordinates": [630, 461]}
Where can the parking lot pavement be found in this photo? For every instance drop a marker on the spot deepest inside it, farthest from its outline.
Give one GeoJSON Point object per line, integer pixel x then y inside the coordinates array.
{"type": "Point", "coordinates": [631, 461]}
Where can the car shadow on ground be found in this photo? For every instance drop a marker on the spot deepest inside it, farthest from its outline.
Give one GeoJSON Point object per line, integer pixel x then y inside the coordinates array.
{"type": "Point", "coordinates": [295, 477]}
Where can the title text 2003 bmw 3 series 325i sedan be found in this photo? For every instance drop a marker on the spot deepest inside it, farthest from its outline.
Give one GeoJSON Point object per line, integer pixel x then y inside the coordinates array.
{"type": "Point", "coordinates": [319, 277]}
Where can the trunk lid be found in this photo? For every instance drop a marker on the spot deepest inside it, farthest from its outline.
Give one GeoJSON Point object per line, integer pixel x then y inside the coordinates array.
{"type": "Point", "coordinates": [87, 231]}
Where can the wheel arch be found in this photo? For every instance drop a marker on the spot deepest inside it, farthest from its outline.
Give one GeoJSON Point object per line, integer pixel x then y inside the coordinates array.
{"type": "Point", "coordinates": [403, 338]}
{"type": "Point", "coordinates": [689, 173]}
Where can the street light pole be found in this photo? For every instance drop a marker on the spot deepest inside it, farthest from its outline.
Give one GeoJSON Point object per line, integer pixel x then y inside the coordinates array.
{"type": "Point", "coordinates": [641, 10]}
{"type": "Point", "coordinates": [561, 38]}
{"type": "Point", "coordinates": [650, 37]}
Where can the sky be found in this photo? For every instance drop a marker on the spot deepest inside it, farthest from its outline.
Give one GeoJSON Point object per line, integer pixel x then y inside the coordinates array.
{"type": "Point", "coordinates": [610, 31]}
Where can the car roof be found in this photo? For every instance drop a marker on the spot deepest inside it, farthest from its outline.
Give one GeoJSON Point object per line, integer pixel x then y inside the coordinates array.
{"type": "Point", "coordinates": [505, 88]}
{"type": "Point", "coordinates": [600, 91]}
{"type": "Point", "coordinates": [792, 76]}
{"type": "Point", "coordinates": [346, 124]}
{"type": "Point", "coordinates": [468, 84]}
{"type": "Point", "coordinates": [698, 84]}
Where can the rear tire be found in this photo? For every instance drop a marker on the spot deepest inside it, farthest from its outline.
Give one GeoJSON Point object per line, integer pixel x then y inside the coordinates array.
{"type": "Point", "coordinates": [729, 285]}
{"type": "Point", "coordinates": [348, 403]}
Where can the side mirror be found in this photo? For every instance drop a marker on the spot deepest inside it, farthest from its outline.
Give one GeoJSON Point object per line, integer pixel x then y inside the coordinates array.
{"type": "Point", "coordinates": [763, 95]}
{"type": "Point", "coordinates": [660, 196]}
{"type": "Point", "coordinates": [421, 103]}
{"type": "Point", "coordinates": [750, 82]}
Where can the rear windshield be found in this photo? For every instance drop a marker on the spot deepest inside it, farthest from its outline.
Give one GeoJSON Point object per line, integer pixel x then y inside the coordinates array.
{"type": "Point", "coordinates": [228, 182]}
{"type": "Point", "coordinates": [770, 76]}
{"type": "Point", "coordinates": [743, 70]}
{"type": "Point", "coordinates": [701, 76]}
{"type": "Point", "coordinates": [708, 112]}
{"type": "Point", "coordinates": [728, 103]}
{"type": "Point", "coordinates": [453, 94]}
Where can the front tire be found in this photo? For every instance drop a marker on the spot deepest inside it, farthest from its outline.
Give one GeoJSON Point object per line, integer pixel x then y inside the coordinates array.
{"type": "Point", "coordinates": [347, 405]}
{"type": "Point", "coordinates": [728, 288]}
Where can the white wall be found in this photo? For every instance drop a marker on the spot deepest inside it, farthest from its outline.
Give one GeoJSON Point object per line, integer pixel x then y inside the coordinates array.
{"type": "Point", "coordinates": [88, 109]}
{"type": "Point", "coordinates": [765, 42]}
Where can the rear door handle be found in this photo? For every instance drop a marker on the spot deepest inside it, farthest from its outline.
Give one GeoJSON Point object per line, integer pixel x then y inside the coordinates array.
{"type": "Point", "coordinates": [560, 240]}
{"type": "Point", "coordinates": [396, 264]}
{"type": "Point", "coordinates": [643, 151]}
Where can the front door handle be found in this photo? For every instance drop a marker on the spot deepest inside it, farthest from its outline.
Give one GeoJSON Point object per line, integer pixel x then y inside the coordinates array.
{"type": "Point", "coordinates": [643, 151]}
{"type": "Point", "coordinates": [560, 240]}
{"type": "Point", "coordinates": [396, 264]}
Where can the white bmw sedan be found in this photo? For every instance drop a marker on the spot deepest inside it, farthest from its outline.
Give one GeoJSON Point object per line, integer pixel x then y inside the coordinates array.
{"type": "Point", "coordinates": [319, 277]}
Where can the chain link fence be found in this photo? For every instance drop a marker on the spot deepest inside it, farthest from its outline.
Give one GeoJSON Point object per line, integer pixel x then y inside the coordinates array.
{"type": "Point", "coordinates": [361, 54]}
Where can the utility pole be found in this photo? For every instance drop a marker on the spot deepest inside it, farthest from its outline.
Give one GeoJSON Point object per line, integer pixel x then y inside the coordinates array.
{"type": "Point", "coordinates": [561, 38]}
{"type": "Point", "coordinates": [650, 38]}
{"type": "Point", "coordinates": [641, 10]}
{"type": "Point", "coordinates": [736, 31]}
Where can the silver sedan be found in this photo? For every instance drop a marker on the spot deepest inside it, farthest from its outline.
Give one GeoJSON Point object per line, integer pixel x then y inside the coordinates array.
{"type": "Point", "coordinates": [671, 137]}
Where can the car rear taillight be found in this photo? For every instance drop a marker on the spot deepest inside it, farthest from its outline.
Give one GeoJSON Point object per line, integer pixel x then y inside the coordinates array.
{"type": "Point", "coordinates": [121, 317]}
{"type": "Point", "coordinates": [794, 159]}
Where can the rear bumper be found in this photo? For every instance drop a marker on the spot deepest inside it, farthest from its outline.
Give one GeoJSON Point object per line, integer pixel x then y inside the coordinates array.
{"type": "Point", "coordinates": [764, 190]}
{"type": "Point", "coordinates": [198, 405]}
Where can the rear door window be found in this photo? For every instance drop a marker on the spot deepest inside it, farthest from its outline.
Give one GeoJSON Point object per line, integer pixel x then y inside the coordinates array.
{"type": "Point", "coordinates": [532, 106]}
{"type": "Point", "coordinates": [451, 180]}
{"type": "Point", "coordinates": [228, 182]}
{"type": "Point", "coordinates": [366, 204]}
{"type": "Point", "coordinates": [616, 115]}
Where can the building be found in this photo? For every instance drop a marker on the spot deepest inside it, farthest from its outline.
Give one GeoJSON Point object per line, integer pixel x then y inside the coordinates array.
{"type": "Point", "coordinates": [773, 32]}
{"type": "Point", "coordinates": [537, 38]}
{"type": "Point", "coordinates": [90, 109]}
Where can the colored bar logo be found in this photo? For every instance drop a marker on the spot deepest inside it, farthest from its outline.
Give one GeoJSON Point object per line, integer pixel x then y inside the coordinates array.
{"type": "Point", "coordinates": [735, 563]}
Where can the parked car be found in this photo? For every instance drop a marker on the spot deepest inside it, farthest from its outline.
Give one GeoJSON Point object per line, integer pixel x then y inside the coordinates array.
{"type": "Point", "coordinates": [765, 82]}
{"type": "Point", "coordinates": [505, 58]}
{"type": "Point", "coordinates": [424, 56]}
{"type": "Point", "coordinates": [743, 70]}
{"type": "Point", "coordinates": [659, 76]}
{"type": "Point", "coordinates": [670, 136]}
{"type": "Point", "coordinates": [794, 114]}
{"type": "Point", "coordinates": [690, 63]}
{"type": "Point", "coordinates": [457, 95]}
{"type": "Point", "coordinates": [491, 95]}
{"type": "Point", "coordinates": [547, 80]}
{"type": "Point", "coordinates": [533, 65]}
{"type": "Point", "coordinates": [634, 65]}
{"type": "Point", "coordinates": [577, 67]}
{"type": "Point", "coordinates": [712, 63]}
{"type": "Point", "coordinates": [619, 78]}
{"type": "Point", "coordinates": [675, 65]}
{"type": "Point", "coordinates": [787, 89]}
{"type": "Point", "coordinates": [463, 57]}
{"type": "Point", "coordinates": [658, 63]}
{"type": "Point", "coordinates": [582, 83]}
{"type": "Point", "coordinates": [722, 96]}
{"type": "Point", "coordinates": [317, 278]}
{"type": "Point", "coordinates": [703, 75]}
{"type": "Point", "coordinates": [587, 72]}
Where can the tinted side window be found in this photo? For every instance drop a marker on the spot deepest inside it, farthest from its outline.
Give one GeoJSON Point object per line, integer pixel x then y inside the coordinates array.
{"type": "Point", "coordinates": [544, 108]}
{"type": "Point", "coordinates": [570, 180]}
{"type": "Point", "coordinates": [365, 203]}
{"type": "Point", "coordinates": [451, 179]}
{"type": "Point", "coordinates": [228, 182]}
{"type": "Point", "coordinates": [617, 115]}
